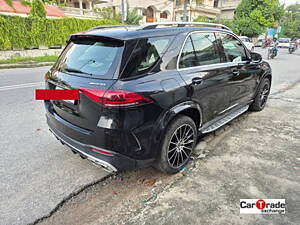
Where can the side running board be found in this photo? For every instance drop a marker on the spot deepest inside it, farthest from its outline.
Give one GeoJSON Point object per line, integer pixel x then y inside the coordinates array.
{"type": "Point", "coordinates": [224, 120]}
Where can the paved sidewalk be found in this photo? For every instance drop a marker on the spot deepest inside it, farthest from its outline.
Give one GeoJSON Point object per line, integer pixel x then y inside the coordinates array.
{"type": "Point", "coordinates": [258, 158]}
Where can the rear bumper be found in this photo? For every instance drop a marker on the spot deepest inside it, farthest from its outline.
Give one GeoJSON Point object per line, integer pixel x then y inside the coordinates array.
{"type": "Point", "coordinates": [114, 163]}
{"type": "Point", "coordinates": [66, 134]}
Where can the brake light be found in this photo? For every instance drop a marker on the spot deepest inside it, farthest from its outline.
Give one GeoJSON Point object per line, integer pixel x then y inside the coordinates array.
{"type": "Point", "coordinates": [117, 98]}
{"type": "Point", "coordinates": [94, 94]}
{"type": "Point", "coordinates": [123, 98]}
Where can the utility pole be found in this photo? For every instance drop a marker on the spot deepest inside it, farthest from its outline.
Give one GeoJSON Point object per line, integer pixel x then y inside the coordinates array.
{"type": "Point", "coordinates": [123, 11]}
{"type": "Point", "coordinates": [185, 11]}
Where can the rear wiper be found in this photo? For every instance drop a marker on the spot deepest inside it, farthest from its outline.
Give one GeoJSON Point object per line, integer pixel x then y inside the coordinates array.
{"type": "Point", "coordinates": [68, 69]}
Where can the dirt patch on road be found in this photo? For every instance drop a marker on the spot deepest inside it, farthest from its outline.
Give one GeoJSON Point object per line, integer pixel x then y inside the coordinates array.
{"type": "Point", "coordinates": [113, 200]}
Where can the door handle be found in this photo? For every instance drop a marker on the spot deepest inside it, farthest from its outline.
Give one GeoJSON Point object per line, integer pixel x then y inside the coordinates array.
{"type": "Point", "coordinates": [197, 80]}
{"type": "Point", "coordinates": [235, 72]}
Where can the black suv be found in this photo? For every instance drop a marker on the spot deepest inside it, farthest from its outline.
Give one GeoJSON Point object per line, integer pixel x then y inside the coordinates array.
{"type": "Point", "coordinates": [147, 92]}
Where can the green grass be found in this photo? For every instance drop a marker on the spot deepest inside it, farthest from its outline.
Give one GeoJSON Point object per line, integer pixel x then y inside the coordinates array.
{"type": "Point", "coordinates": [50, 58]}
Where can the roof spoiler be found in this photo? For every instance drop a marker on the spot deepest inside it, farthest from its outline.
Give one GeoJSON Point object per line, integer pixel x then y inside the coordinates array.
{"type": "Point", "coordinates": [83, 35]}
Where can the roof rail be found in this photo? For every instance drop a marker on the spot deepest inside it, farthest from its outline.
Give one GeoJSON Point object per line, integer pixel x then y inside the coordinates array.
{"type": "Point", "coordinates": [111, 26]}
{"type": "Point", "coordinates": [148, 26]}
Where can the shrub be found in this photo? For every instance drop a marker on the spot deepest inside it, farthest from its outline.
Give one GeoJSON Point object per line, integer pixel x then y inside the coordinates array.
{"type": "Point", "coordinates": [27, 32]}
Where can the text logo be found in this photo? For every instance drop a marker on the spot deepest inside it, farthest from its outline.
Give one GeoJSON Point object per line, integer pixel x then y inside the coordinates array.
{"type": "Point", "coordinates": [262, 206]}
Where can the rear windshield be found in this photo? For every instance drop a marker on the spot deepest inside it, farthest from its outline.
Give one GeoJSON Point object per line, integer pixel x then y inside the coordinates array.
{"type": "Point", "coordinates": [283, 40]}
{"type": "Point", "coordinates": [91, 58]}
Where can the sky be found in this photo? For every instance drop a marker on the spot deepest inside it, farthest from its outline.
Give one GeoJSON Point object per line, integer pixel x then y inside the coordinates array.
{"type": "Point", "coordinates": [289, 2]}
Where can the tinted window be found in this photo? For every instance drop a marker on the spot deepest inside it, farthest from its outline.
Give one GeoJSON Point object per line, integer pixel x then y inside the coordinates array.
{"type": "Point", "coordinates": [188, 56]}
{"type": "Point", "coordinates": [91, 58]}
{"type": "Point", "coordinates": [199, 50]}
{"type": "Point", "coordinates": [205, 48]}
{"type": "Point", "coordinates": [145, 55]}
{"type": "Point", "coordinates": [233, 48]}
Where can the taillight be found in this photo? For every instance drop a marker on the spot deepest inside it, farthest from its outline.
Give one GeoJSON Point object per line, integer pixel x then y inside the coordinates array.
{"type": "Point", "coordinates": [94, 94]}
{"type": "Point", "coordinates": [123, 98]}
{"type": "Point", "coordinates": [113, 98]}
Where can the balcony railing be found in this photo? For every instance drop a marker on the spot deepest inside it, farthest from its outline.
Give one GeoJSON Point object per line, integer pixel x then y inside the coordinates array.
{"type": "Point", "coordinates": [76, 12]}
{"type": "Point", "coordinates": [196, 5]}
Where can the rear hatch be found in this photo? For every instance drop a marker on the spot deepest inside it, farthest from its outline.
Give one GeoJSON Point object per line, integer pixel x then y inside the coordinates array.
{"type": "Point", "coordinates": [89, 64]}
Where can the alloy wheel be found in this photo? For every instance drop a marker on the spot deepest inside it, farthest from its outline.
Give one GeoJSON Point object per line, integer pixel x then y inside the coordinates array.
{"type": "Point", "coordinates": [180, 146]}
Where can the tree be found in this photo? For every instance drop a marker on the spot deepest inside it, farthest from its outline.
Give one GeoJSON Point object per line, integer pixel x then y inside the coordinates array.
{"type": "Point", "coordinates": [108, 13]}
{"type": "Point", "coordinates": [252, 17]}
{"type": "Point", "coordinates": [132, 16]}
{"type": "Point", "coordinates": [291, 21]}
{"type": "Point", "coordinates": [8, 2]}
{"type": "Point", "coordinates": [37, 9]}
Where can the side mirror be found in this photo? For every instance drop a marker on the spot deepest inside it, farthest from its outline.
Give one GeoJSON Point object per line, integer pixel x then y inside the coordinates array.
{"type": "Point", "coordinates": [256, 57]}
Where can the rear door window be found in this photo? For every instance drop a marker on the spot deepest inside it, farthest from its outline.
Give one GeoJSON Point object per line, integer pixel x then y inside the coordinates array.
{"type": "Point", "coordinates": [91, 58]}
{"type": "Point", "coordinates": [200, 49]}
{"type": "Point", "coordinates": [146, 54]}
{"type": "Point", "coordinates": [188, 56]}
{"type": "Point", "coordinates": [233, 49]}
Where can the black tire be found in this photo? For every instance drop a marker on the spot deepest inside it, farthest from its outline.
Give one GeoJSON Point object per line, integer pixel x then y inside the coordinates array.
{"type": "Point", "coordinates": [261, 96]}
{"type": "Point", "coordinates": [184, 126]}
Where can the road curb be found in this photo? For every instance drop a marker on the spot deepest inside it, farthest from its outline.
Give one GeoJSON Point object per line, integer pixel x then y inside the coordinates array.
{"type": "Point", "coordinates": [25, 65]}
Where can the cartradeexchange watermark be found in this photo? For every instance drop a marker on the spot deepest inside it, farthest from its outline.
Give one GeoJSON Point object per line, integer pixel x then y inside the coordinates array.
{"type": "Point", "coordinates": [262, 206]}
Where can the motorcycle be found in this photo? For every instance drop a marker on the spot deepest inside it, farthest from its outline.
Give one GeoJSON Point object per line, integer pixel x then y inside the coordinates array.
{"type": "Point", "coordinates": [272, 52]}
{"type": "Point", "coordinates": [292, 48]}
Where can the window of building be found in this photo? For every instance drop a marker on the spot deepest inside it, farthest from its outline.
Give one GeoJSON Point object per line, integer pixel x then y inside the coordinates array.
{"type": "Point", "coordinates": [164, 15]}
{"type": "Point", "coordinates": [216, 3]}
{"type": "Point", "coordinates": [76, 5]}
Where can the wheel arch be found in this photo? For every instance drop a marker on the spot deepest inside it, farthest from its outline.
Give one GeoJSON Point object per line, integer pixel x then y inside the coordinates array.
{"type": "Point", "coordinates": [188, 108]}
{"type": "Point", "coordinates": [267, 75]}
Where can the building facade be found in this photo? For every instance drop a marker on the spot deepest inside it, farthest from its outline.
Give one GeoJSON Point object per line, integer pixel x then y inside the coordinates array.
{"type": "Point", "coordinates": [227, 8]}
{"type": "Point", "coordinates": [80, 8]}
{"type": "Point", "coordinates": [18, 9]}
{"type": "Point", "coordinates": [151, 10]}
{"type": "Point", "coordinates": [191, 9]}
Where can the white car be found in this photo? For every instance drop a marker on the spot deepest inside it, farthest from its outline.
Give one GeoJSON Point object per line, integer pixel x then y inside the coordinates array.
{"type": "Point", "coordinates": [283, 43]}
{"type": "Point", "coordinates": [247, 42]}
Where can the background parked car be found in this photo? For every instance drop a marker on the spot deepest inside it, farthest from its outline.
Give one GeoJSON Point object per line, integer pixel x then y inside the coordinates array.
{"type": "Point", "coordinates": [283, 43]}
{"type": "Point", "coordinates": [247, 42]}
{"type": "Point", "coordinates": [259, 43]}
